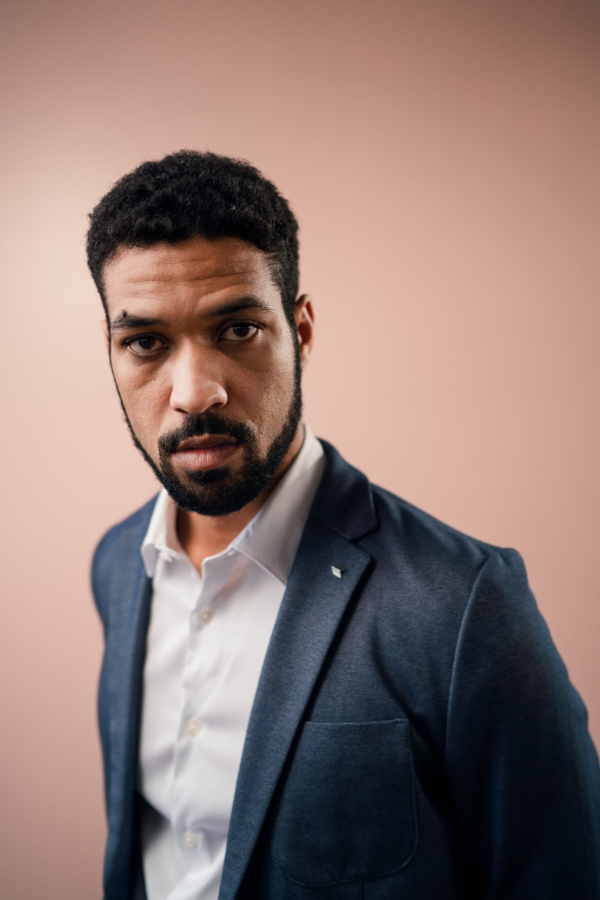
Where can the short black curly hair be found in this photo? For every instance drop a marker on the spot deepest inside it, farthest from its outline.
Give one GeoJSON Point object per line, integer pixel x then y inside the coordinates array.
{"type": "Point", "coordinates": [191, 193]}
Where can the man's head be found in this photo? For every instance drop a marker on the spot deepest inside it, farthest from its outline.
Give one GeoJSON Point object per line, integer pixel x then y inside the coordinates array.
{"type": "Point", "coordinates": [188, 194]}
{"type": "Point", "coordinates": [195, 258]}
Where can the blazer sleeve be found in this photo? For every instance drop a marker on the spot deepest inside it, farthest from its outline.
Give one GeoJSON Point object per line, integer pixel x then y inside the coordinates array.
{"type": "Point", "coordinates": [522, 769]}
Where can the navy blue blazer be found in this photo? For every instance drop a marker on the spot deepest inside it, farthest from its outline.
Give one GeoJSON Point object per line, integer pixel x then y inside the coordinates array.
{"type": "Point", "coordinates": [414, 732]}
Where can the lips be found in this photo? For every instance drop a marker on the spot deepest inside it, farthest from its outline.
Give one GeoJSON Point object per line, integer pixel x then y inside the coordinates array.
{"type": "Point", "coordinates": [206, 452]}
{"type": "Point", "coordinates": [206, 440]}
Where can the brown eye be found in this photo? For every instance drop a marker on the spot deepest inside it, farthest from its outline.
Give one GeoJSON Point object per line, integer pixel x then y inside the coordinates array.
{"type": "Point", "coordinates": [241, 331]}
{"type": "Point", "coordinates": [145, 345]}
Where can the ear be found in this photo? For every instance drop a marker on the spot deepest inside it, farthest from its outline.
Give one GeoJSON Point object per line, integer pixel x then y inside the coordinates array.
{"type": "Point", "coordinates": [305, 323]}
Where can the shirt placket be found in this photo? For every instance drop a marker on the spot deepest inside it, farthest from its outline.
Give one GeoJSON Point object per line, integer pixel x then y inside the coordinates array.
{"type": "Point", "coordinates": [201, 674]}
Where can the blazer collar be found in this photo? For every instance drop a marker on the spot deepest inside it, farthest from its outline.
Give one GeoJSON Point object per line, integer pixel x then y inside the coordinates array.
{"type": "Point", "coordinates": [344, 501]}
{"type": "Point", "coordinates": [327, 570]}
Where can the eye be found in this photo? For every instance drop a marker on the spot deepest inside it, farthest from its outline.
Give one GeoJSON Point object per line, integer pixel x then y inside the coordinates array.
{"type": "Point", "coordinates": [241, 331]}
{"type": "Point", "coordinates": [144, 345]}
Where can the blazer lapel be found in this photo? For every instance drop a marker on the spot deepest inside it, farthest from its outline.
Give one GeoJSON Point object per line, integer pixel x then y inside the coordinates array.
{"type": "Point", "coordinates": [130, 607]}
{"type": "Point", "coordinates": [312, 608]}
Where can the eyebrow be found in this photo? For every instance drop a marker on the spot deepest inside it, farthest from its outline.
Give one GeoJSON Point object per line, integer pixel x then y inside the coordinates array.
{"type": "Point", "coordinates": [125, 320]}
{"type": "Point", "coordinates": [227, 309]}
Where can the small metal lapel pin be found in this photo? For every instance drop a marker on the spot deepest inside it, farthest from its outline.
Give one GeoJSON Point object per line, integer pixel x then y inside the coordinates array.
{"type": "Point", "coordinates": [338, 571]}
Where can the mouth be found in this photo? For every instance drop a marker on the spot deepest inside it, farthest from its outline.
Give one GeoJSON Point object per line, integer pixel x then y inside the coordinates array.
{"type": "Point", "coordinates": [197, 454]}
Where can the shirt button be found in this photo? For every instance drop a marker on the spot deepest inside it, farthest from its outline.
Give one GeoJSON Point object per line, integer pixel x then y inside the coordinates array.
{"type": "Point", "coordinates": [189, 839]}
{"type": "Point", "coordinates": [193, 727]}
{"type": "Point", "coordinates": [204, 616]}
{"type": "Point", "coordinates": [166, 555]}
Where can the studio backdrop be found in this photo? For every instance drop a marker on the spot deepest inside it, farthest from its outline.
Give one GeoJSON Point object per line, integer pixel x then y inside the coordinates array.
{"type": "Point", "coordinates": [442, 159]}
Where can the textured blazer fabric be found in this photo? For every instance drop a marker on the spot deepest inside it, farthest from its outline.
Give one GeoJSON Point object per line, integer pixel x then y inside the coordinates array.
{"type": "Point", "coordinates": [414, 733]}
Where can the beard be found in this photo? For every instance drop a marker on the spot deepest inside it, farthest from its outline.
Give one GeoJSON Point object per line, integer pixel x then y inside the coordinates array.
{"type": "Point", "coordinates": [219, 491]}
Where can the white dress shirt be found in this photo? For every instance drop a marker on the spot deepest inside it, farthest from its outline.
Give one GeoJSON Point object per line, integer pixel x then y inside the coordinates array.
{"type": "Point", "coordinates": [207, 639]}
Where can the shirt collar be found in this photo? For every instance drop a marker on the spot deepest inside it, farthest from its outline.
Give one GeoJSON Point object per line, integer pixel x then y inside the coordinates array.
{"type": "Point", "coordinates": [271, 538]}
{"type": "Point", "coordinates": [161, 536]}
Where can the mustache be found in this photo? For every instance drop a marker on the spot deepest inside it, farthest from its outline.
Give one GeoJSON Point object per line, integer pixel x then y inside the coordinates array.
{"type": "Point", "coordinates": [199, 425]}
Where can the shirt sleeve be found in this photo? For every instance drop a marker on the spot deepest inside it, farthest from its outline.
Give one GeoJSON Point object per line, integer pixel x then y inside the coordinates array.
{"type": "Point", "coordinates": [521, 766]}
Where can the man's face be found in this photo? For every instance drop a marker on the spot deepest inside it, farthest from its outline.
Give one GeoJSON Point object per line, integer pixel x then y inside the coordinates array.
{"type": "Point", "coordinates": [207, 367]}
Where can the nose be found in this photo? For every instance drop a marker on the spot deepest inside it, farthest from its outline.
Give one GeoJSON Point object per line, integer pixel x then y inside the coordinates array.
{"type": "Point", "coordinates": [197, 382]}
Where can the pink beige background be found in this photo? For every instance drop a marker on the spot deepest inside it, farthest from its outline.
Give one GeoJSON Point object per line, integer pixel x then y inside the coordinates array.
{"type": "Point", "coordinates": [443, 160]}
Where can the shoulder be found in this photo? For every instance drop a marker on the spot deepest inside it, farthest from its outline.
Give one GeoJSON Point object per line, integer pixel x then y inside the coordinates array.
{"type": "Point", "coordinates": [117, 548]}
{"type": "Point", "coordinates": [423, 536]}
{"type": "Point", "coordinates": [411, 537]}
{"type": "Point", "coordinates": [403, 540]}
{"type": "Point", "coordinates": [432, 573]}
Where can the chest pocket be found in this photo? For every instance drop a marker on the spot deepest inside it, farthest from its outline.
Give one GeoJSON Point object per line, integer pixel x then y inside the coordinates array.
{"type": "Point", "coordinates": [347, 809]}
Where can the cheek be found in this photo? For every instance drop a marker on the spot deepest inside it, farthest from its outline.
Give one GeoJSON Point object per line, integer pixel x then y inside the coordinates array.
{"type": "Point", "coordinates": [268, 394]}
{"type": "Point", "coordinates": [145, 399]}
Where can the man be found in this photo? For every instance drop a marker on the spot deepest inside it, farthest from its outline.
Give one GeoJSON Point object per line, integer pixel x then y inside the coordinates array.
{"type": "Point", "coordinates": [311, 689]}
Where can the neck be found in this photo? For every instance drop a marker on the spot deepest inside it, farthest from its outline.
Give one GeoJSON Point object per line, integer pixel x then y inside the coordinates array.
{"type": "Point", "coordinates": [202, 536]}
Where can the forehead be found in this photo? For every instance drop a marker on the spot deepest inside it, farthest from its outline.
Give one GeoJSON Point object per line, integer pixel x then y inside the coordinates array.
{"type": "Point", "coordinates": [191, 269]}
